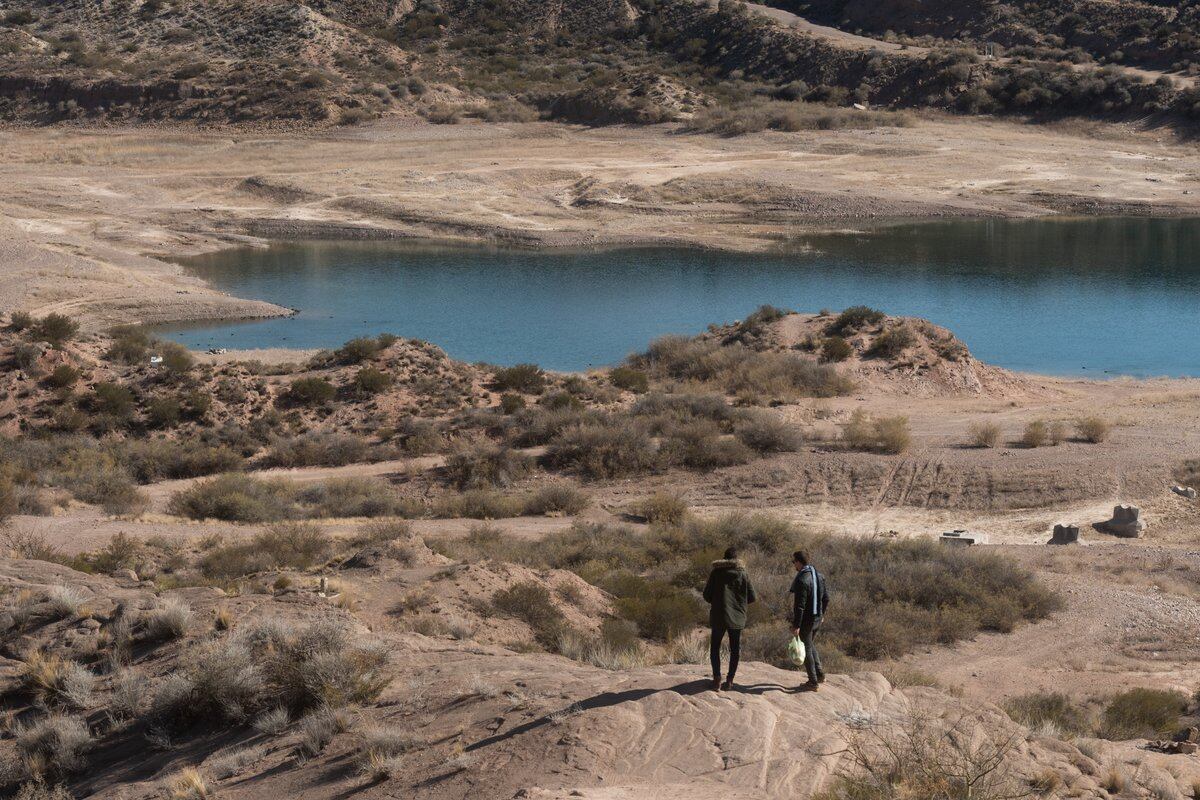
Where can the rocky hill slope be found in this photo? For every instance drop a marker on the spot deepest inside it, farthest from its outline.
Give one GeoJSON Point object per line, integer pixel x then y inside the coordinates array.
{"type": "Point", "coordinates": [599, 61]}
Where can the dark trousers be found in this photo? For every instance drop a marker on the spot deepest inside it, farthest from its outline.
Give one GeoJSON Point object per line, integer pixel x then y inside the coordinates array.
{"type": "Point", "coordinates": [812, 662]}
{"type": "Point", "coordinates": [735, 651]}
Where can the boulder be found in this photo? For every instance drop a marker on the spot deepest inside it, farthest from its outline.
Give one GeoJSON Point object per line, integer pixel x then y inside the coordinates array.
{"type": "Point", "coordinates": [962, 538]}
{"type": "Point", "coordinates": [1126, 522]}
{"type": "Point", "coordinates": [1184, 491]}
{"type": "Point", "coordinates": [1065, 534]}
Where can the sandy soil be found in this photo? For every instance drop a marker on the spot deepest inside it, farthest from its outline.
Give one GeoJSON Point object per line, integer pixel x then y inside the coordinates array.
{"type": "Point", "coordinates": [88, 217]}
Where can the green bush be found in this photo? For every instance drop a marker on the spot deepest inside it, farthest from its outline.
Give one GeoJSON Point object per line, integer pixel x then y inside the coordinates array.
{"type": "Point", "coordinates": [630, 379]}
{"type": "Point", "coordinates": [56, 329]}
{"type": "Point", "coordinates": [1054, 709]}
{"type": "Point", "coordinates": [531, 603]}
{"type": "Point", "coordinates": [1143, 713]}
{"type": "Point", "coordinates": [19, 321]}
{"type": "Point", "coordinates": [485, 466]}
{"type": "Point", "coordinates": [311, 391]}
{"type": "Point", "coordinates": [63, 376]}
{"type": "Point", "coordinates": [152, 460]}
{"type": "Point", "coordinates": [175, 357]}
{"type": "Point", "coordinates": [768, 433]}
{"type": "Point", "coordinates": [112, 399]}
{"type": "Point", "coordinates": [877, 434]}
{"type": "Point", "coordinates": [662, 508]}
{"type": "Point", "coordinates": [163, 412]}
{"type": "Point", "coordinates": [892, 342]}
{"type": "Point", "coordinates": [659, 609]}
{"type": "Point", "coordinates": [524, 378]}
{"type": "Point", "coordinates": [835, 349]}
{"type": "Point", "coordinates": [1093, 429]}
{"type": "Point", "coordinates": [855, 318]}
{"type": "Point", "coordinates": [316, 449]}
{"type": "Point", "coordinates": [358, 350]}
{"type": "Point", "coordinates": [477, 504]}
{"type": "Point", "coordinates": [237, 498]}
{"type": "Point", "coordinates": [984, 434]}
{"type": "Point", "coordinates": [511, 403]}
{"type": "Point", "coordinates": [130, 344]}
{"type": "Point", "coordinates": [556, 498]}
{"type": "Point", "coordinates": [371, 380]}
{"type": "Point", "coordinates": [603, 449]}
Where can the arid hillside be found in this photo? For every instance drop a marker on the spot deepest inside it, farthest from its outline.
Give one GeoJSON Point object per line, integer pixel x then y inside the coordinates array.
{"type": "Point", "coordinates": [596, 62]}
{"type": "Point", "coordinates": [377, 572]}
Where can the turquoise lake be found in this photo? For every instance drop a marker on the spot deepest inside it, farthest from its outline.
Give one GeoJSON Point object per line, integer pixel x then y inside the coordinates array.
{"type": "Point", "coordinates": [1067, 297]}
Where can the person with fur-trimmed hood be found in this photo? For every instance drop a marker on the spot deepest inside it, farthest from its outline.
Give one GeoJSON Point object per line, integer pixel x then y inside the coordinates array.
{"type": "Point", "coordinates": [728, 592]}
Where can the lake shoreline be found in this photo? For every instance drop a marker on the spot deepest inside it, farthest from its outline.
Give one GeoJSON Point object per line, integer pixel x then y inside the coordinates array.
{"type": "Point", "coordinates": [95, 219]}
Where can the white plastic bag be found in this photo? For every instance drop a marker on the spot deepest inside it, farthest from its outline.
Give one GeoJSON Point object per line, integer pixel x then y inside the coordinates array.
{"type": "Point", "coordinates": [795, 650]}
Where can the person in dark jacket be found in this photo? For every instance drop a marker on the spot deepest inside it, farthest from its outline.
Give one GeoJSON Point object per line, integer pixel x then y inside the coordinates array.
{"type": "Point", "coordinates": [809, 601]}
{"type": "Point", "coordinates": [728, 592]}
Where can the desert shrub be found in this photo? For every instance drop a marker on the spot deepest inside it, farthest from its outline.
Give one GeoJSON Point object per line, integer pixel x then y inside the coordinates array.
{"type": "Point", "coordinates": [662, 508]}
{"type": "Point", "coordinates": [892, 342]}
{"type": "Point", "coordinates": [19, 321]}
{"type": "Point", "coordinates": [310, 391]}
{"type": "Point", "coordinates": [531, 603]}
{"type": "Point", "coordinates": [556, 498]}
{"type": "Point", "coordinates": [660, 610]}
{"type": "Point", "coordinates": [236, 498]}
{"type": "Point", "coordinates": [537, 426]}
{"type": "Point", "coordinates": [371, 380]}
{"type": "Point", "coordinates": [835, 349]}
{"type": "Point", "coordinates": [524, 378]}
{"type": "Point", "coordinates": [358, 350]}
{"type": "Point", "coordinates": [661, 409]}
{"type": "Point", "coordinates": [984, 434]}
{"type": "Point", "coordinates": [112, 399]}
{"type": "Point", "coordinates": [272, 722]}
{"type": "Point", "coordinates": [630, 379]}
{"type": "Point", "coordinates": [169, 621]}
{"type": "Point", "coordinates": [63, 376]}
{"type": "Point", "coordinates": [603, 449]}
{"type": "Point", "coordinates": [350, 497]}
{"type": "Point", "coordinates": [317, 730]}
{"type": "Point", "coordinates": [739, 369]}
{"type": "Point", "coordinates": [485, 466]}
{"type": "Point", "coordinates": [853, 319]}
{"type": "Point", "coordinates": [878, 434]}
{"type": "Point", "coordinates": [420, 437]}
{"type": "Point", "coordinates": [560, 401]}
{"type": "Point", "coordinates": [152, 460]}
{"type": "Point", "coordinates": [1143, 713]}
{"type": "Point", "coordinates": [175, 357]}
{"type": "Point", "coordinates": [273, 665]}
{"type": "Point", "coordinates": [53, 746]}
{"type": "Point", "coordinates": [57, 682]}
{"type": "Point", "coordinates": [163, 412]}
{"type": "Point", "coordinates": [1035, 435]}
{"type": "Point", "coordinates": [891, 596]}
{"type": "Point", "coordinates": [8, 496]}
{"type": "Point", "coordinates": [64, 601]}
{"type": "Point", "coordinates": [700, 445]}
{"type": "Point", "coordinates": [768, 433]}
{"type": "Point", "coordinates": [1049, 710]}
{"type": "Point", "coordinates": [294, 545]}
{"type": "Point", "coordinates": [928, 757]}
{"type": "Point", "coordinates": [56, 329]}
{"type": "Point", "coordinates": [1093, 429]}
{"type": "Point", "coordinates": [511, 403]}
{"type": "Point", "coordinates": [315, 449]}
{"type": "Point", "coordinates": [130, 344]}
{"type": "Point", "coordinates": [477, 504]}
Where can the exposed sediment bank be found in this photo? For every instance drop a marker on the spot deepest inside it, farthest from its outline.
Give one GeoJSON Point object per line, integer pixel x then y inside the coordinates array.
{"type": "Point", "coordinates": [90, 218]}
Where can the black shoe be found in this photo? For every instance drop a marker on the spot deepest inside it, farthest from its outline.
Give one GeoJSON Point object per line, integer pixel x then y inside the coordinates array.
{"type": "Point", "coordinates": [716, 684]}
{"type": "Point", "coordinates": [727, 685]}
{"type": "Point", "coordinates": [821, 678]}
